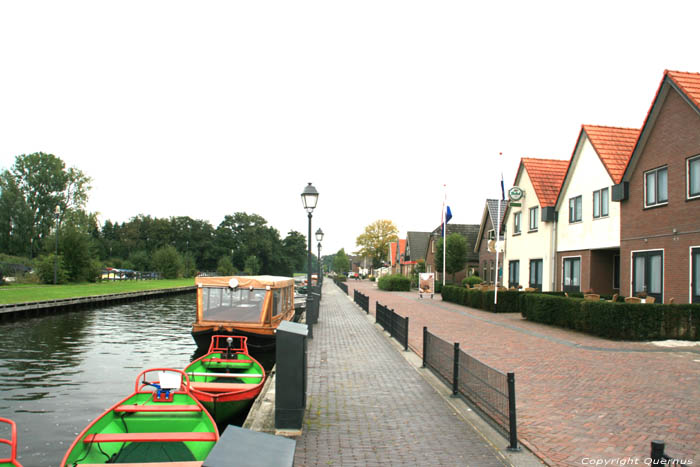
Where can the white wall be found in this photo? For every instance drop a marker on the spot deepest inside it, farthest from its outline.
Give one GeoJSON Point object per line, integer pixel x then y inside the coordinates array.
{"type": "Point", "coordinates": [528, 245]}
{"type": "Point", "coordinates": [586, 175]}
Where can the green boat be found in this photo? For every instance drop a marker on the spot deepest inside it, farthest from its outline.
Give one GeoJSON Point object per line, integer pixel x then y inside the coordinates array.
{"type": "Point", "coordinates": [160, 424]}
{"type": "Point", "coordinates": [12, 442]}
{"type": "Point", "coordinates": [227, 379]}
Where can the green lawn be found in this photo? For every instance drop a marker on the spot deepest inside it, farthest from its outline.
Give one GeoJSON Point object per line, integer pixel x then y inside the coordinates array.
{"type": "Point", "coordinates": [19, 293]}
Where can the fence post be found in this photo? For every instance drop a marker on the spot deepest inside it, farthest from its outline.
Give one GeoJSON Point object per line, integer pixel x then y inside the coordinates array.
{"type": "Point", "coordinates": [405, 342]}
{"type": "Point", "coordinates": [513, 425]}
{"type": "Point", "coordinates": [425, 345]}
{"type": "Point", "coordinates": [455, 370]}
{"type": "Point", "coordinates": [657, 450]}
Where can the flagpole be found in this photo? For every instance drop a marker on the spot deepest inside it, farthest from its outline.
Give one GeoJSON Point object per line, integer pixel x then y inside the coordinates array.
{"type": "Point", "coordinates": [444, 233]}
{"type": "Point", "coordinates": [498, 229]}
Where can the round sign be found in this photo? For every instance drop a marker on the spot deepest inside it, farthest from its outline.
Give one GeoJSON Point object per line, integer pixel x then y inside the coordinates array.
{"type": "Point", "coordinates": [233, 283]}
{"type": "Point", "coordinates": [515, 193]}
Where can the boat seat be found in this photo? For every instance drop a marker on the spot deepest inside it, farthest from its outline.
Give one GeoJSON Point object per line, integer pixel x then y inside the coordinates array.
{"type": "Point", "coordinates": [223, 360]}
{"type": "Point", "coordinates": [149, 437]}
{"type": "Point", "coordinates": [156, 464]}
{"type": "Point", "coordinates": [227, 375]}
{"type": "Point", "coordinates": [223, 387]}
{"type": "Point", "coordinates": [131, 408]}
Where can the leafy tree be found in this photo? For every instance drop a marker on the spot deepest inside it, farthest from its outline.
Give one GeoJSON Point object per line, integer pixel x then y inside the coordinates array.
{"type": "Point", "coordinates": [76, 249]}
{"type": "Point", "coordinates": [456, 257]}
{"type": "Point", "coordinates": [168, 262]}
{"type": "Point", "coordinates": [190, 266]}
{"type": "Point", "coordinates": [44, 266]}
{"type": "Point", "coordinates": [252, 266]}
{"type": "Point", "coordinates": [374, 241]}
{"type": "Point", "coordinates": [341, 263]}
{"type": "Point", "coordinates": [140, 261]}
{"type": "Point", "coordinates": [294, 245]}
{"type": "Point", "coordinates": [225, 267]}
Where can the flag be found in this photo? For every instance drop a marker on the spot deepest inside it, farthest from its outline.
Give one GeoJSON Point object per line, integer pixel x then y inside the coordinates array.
{"type": "Point", "coordinates": [446, 215]}
{"type": "Point", "coordinates": [503, 188]}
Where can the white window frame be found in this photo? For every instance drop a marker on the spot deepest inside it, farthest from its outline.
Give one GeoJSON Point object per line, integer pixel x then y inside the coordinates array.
{"type": "Point", "coordinates": [580, 268]}
{"type": "Point", "coordinates": [517, 223]}
{"type": "Point", "coordinates": [690, 272]}
{"type": "Point", "coordinates": [688, 194]}
{"type": "Point", "coordinates": [599, 203]}
{"type": "Point", "coordinates": [580, 213]}
{"type": "Point", "coordinates": [663, 275]}
{"type": "Point", "coordinates": [536, 210]}
{"type": "Point", "coordinates": [656, 187]}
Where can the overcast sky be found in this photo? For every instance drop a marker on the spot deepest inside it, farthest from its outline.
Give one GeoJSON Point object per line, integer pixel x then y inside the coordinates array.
{"type": "Point", "coordinates": [207, 108]}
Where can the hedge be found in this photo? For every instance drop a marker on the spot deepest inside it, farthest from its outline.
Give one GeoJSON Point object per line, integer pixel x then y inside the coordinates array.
{"type": "Point", "coordinates": [395, 282]}
{"type": "Point", "coordinates": [626, 321]}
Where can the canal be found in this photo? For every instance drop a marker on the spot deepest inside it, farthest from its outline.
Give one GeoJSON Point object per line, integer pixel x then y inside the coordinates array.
{"type": "Point", "coordinates": [57, 373]}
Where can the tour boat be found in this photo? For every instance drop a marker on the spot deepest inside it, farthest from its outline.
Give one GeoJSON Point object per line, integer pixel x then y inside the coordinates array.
{"type": "Point", "coordinates": [249, 306]}
{"type": "Point", "coordinates": [12, 442]}
{"type": "Point", "coordinates": [160, 424]}
{"type": "Point", "coordinates": [227, 379]}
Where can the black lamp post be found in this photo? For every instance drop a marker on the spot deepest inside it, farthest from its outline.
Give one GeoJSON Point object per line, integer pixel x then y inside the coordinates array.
{"type": "Point", "coordinates": [319, 238]}
{"type": "Point", "coordinates": [309, 197]}
{"type": "Point", "coordinates": [55, 261]}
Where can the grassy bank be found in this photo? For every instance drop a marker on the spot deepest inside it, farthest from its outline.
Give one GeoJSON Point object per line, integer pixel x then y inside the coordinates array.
{"type": "Point", "coordinates": [19, 293]}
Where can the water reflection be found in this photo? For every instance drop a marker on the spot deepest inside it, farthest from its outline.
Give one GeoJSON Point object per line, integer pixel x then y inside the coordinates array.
{"type": "Point", "coordinates": [60, 372]}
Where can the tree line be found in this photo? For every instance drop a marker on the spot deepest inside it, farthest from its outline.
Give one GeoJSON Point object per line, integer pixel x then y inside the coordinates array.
{"type": "Point", "coordinates": [42, 204]}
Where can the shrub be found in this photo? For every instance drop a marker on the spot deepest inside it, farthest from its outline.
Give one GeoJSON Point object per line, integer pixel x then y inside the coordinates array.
{"type": "Point", "coordinates": [472, 280]}
{"type": "Point", "coordinates": [395, 282]}
{"type": "Point", "coordinates": [168, 262]}
{"type": "Point", "coordinates": [341, 278]}
{"type": "Point", "coordinates": [45, 268]}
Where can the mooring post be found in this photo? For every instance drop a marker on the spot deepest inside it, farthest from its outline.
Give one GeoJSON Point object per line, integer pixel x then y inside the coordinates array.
{"type": "Point", "coordinates": [513, 425]}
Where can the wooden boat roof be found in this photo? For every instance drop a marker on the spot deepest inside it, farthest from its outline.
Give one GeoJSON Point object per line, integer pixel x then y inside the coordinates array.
{"type": "Point", "coordinates": [257, 282]}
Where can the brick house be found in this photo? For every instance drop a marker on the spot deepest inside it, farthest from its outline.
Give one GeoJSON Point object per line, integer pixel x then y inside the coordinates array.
{"type": "Point", "coordinates": [588, 224]}
{"type": "Point", "coordinates": [397, 255]}
{"type": "Point", "coordinates": [470, 232]}
{"type": "Point", "coordinates": [416, 249]}
{"type": "Point", "coordinates": [530, 255]}
{"type": "Point", "coordinates": [659, 197]}
{"type": "Point", "coordinates": [486, 238]}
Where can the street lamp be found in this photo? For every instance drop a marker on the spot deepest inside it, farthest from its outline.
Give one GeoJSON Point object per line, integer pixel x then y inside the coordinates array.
{"type": "Point", "coordinates": [55, 260]}
{"type": "Point", "coordinates": [309, 198]}
{"type": "Point", "coordinates": [319, 238]}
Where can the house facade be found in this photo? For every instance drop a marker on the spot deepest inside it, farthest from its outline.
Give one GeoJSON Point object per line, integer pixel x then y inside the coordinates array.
{"type": "Point", "coordinates": [530, 222]}
{"type": "Point", "coordinates": [588, 226]}
{"type": "Point", "coordinates": [485, 246]}
{"type": "Point", "coordinates": [659, 197]}
{"type": "Point", "coordinates": [433, 264]}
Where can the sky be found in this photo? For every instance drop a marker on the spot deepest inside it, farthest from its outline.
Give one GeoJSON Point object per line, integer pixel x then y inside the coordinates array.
{"type": "Point", "coordinates": [204, 109]}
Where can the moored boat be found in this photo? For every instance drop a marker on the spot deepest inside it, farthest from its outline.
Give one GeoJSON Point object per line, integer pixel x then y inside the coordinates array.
{"type": "Point", "coordinates": [249, 306]}
{"type": "Point", "coordinates": [227, 379]}
{"type": "Point", "coordinates": [160, 424]}
{"type": "Point", "coordinates": [12, 442]}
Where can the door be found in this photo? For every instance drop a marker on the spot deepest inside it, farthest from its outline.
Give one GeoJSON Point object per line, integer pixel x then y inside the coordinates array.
{"type": "Point", "coordinates": [648, 273]}
{"type": "Point", "coordinates": [695, 278]}
{"type": "Point", "coordinates": [536, 274]}
{"type": "Point", "coordinates": [514, 273]}
{"type": "Point", "coordinates": [572, 275]}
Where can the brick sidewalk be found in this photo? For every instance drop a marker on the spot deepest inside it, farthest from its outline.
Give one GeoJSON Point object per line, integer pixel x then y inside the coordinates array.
{"type": "Point", "coordinates": [579, 397]}
{"type": "Point", "coordinates": [367, 406]}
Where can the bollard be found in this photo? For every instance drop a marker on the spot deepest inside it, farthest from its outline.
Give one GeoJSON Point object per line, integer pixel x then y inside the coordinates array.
{"type": "Point", "coordinates": [290, 380]}
{"type": "Point", "coordinates": [425, 345]}
{"type": "Point", "coordinates": [513, 425]}
{"type": "Point", "coordinates": [455, 370]}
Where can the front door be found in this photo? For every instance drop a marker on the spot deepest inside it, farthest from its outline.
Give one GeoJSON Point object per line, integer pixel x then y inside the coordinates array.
{"type": "Point", "coordinates": [572, 275]}
{"type": "Point", "coordinates": [648, 273]}
{"type": "Point", "coordinates": [695, 278]}
{"type": "Point", "coordinates": [536, 274]}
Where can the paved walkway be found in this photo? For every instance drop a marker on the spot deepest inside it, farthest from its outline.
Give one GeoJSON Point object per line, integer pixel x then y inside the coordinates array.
{"type": "Point", "coordinates": [580, 398]}
{"type": "Point", "coordinates": [368, 406]}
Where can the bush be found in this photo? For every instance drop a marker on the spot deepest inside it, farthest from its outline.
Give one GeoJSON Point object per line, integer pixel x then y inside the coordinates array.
{"type": "Point", "coordinates": [395, 282]}
{"type": "Point", "coordinates": [341, 278]}
{"type": "Point", "coordinates": [472, 280]}
{"type": "Point", "coordinates": [168, 262]}
{"type": "Point", "coordinates": [225, 267]}
{"type": "Point", "coordinates": [45, 268]}
{"type": "Point", "coordinates": [508, 301]}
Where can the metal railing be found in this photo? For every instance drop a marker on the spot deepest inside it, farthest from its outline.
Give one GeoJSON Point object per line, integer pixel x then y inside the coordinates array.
{"type": "Point", "coordinates": [490, 390]}
{"type": "Point", "coordinates": [394, 323]}
{"type": "Point", "coordinates": [659, 457]}
{"type": "Point", "coordinates": [343, 286]}
{"type": "Point", "coordinates": [362, 300]}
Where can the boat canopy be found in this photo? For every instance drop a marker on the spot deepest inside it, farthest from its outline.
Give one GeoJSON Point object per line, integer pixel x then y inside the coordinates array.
{"type": "Point", "coordinates": [256, 282]}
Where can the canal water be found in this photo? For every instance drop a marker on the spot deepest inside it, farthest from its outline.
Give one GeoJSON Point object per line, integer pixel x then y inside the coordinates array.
{"type": "Point", "coordinates": [58, 373]}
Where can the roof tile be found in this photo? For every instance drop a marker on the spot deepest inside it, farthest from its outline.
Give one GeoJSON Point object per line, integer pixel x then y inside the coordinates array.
{"type": "Point", "coordinates": [614, 147]}
{"type": "Point", "coordinates": [546, 176]}
{"type": "Point", "coordinates": [688, 82]}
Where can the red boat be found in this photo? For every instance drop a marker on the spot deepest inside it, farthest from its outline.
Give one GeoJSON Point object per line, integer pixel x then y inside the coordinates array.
{"type": "Point", "coordinates": [12, 442]}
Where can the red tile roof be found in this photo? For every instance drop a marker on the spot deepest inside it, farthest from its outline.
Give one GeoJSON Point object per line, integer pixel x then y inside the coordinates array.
{"type": "Point", "coordinates": [546, 176]}
{"type": "Point", "coordinates": [614, 147]}
{"type": "Point", "coordinates": [688, 82]}
{"type": "Point", "coordinates": [392, 251]}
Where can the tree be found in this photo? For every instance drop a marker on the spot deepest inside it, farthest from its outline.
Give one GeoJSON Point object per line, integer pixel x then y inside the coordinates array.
{"type": "Point", "coordinates": [225, 267]}
{"type": "Point", "coordinates": [294, 245]}
{"type": "Point", "coordinates": [341, 263]}
{"type": "Point", "coordinates": [374, 241]}
{"type": "Point", "coordinates": [168, 262]}
{"type": "Point", "coordinates": [190, 266]}
{"type": "Point", "coordinates": [456, 258]}
{"type": "Point", "coordinates": [252, 266]}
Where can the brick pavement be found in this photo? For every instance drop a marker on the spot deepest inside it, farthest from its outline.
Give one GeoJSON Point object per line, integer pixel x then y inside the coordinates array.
{"type": "Point", "coordinates": [580, 398]}
{"type": "Point", "coordinates": [367, 406]}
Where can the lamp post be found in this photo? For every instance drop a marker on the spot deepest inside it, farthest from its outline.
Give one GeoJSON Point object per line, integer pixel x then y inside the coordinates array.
{"type": "Point", "coordinates": [55, 260]}
{"type": "Point", "coordinates": [319, 238]}
{"type": "Point", "coordinates": [309, 197]}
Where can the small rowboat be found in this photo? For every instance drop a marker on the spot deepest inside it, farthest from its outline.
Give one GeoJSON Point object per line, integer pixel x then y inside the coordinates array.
{"type": "Point", "coordinates": [227, 379]}
{"type": "Point", "coordinates": [12, 442]}
{"type": "Point", "coordinates": [160, 424]}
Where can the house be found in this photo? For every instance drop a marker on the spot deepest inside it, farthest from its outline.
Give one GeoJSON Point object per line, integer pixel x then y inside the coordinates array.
{"type": "Point", "coordinates": [470, 232]}
{"type": "Point", "coordinates": [397, 255]}
{"type": "Point", "coordinates": [485, 246]}
{"type": "Point", "coordinates": [529, 249]}
{"type": "Point", "coordinates": [416, 249]}
{"type": "Point", "coordinates": [588, 225]}
{"type": "Point", "coordinates": [659, 197]}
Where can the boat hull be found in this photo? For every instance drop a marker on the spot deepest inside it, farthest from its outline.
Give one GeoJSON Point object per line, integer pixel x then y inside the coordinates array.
{"type": "Point", "coordinates": [256, 342]}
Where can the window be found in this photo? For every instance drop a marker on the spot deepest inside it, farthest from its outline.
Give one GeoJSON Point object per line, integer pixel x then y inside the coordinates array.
{"type": "Point", "coordinates": [695, 278]}
{"type": "Point", "coordinates": [572, 275]}
{"type": "Point", "coordinates": [492, 271]}
{"type": "Point", "coordinates": [484, 276]}
{"type": "Point", "coordinates": [491, 234]}
{"type": "Point", "coordinates": [656, 187]}
{"type": "Point", "coordinates": [225, 304]}
{"type": "Point", "coordinates": [694, 177]}
{"type": "Point", "coordinates": [516, 223]}
{"type": "Point", "coordinates": [534, 221]}
{"type": "Point", "coordinates": [601, 203]}
{"type": "Point", "coordinates": [536, 273]}
{"type": "Point", "coordinates": [513, 273]}
{"type": "Point", "coordinates": [575, 207]}
{"type": "Point", "coordinates": [616, 272]}
{"type": "Point", "coordinates": [648, 273]}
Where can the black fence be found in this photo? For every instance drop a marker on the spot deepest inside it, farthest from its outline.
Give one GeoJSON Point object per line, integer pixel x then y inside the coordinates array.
{"type": "Point", "coordinates": [362, 300]}
{"type": "Point", "coordinates": [659, 457]}
{"type": "Point", "coordinates": [490, 390]}
{"type": "Point", "coordinates": [343, 286]}
{"type": "Point", "coordinates": [395, 324]}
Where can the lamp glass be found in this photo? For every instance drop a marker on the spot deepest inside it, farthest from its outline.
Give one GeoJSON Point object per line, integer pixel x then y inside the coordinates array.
{"type": "Point", "coordinates": [319, 235]}
{"type": "Point", "coordinates": [309, 197]}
